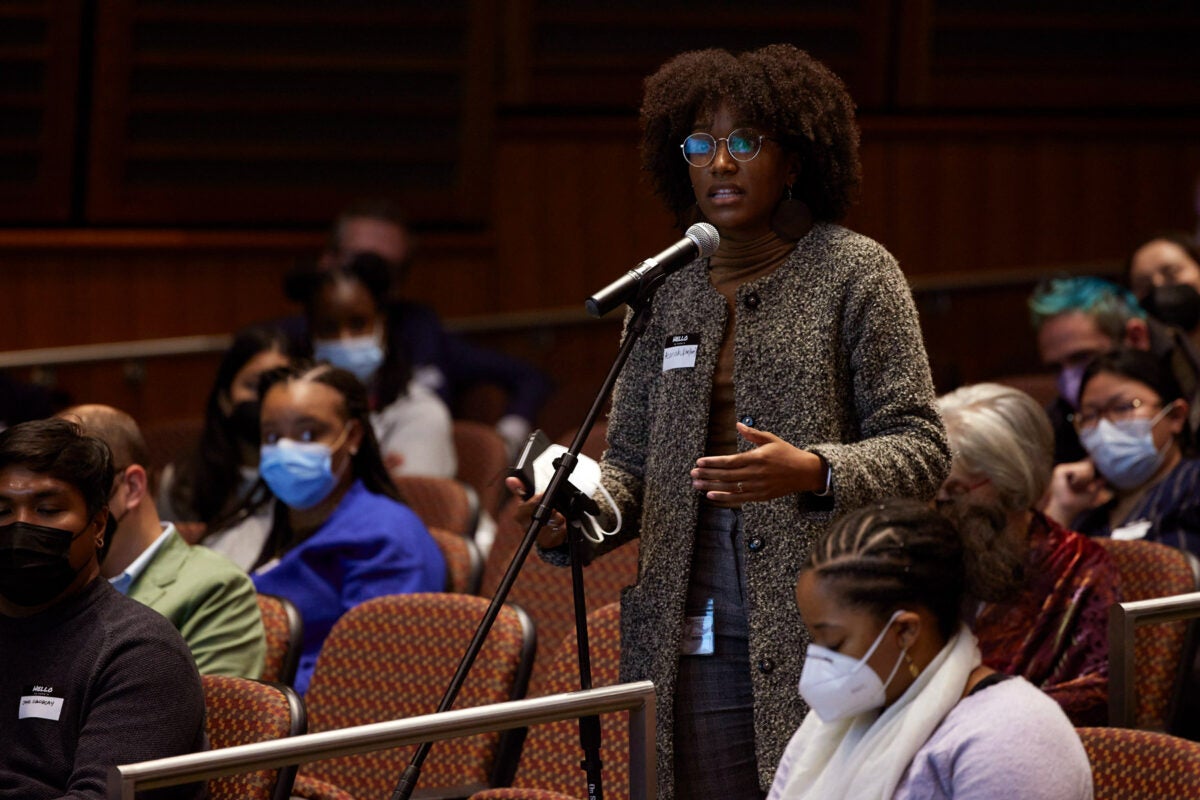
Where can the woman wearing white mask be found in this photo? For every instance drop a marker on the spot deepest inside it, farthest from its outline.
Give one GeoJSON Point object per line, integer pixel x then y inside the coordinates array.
{"type": "Point", "coordinates": [1136, 482]}
{"type": "Point", "coordinates": [340, 535]}
{"type": "Point", "coordinates": [902, 707]}
{"type": "Point", "coordinates": [346, 308]}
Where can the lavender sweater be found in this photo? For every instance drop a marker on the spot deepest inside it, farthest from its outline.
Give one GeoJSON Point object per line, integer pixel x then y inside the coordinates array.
{"type": "Point", "coordinates": [1008, 740]}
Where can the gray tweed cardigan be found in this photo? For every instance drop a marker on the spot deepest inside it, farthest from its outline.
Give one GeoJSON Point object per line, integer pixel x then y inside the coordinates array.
{"type": "Point", "coordinates": [828, 356]}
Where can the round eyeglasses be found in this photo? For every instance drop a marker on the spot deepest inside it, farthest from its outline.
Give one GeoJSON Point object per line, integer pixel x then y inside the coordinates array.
{"type": "Point", "coordinates": [744, 144]}
{"type": "Point", "coordinates": [1116, 411]}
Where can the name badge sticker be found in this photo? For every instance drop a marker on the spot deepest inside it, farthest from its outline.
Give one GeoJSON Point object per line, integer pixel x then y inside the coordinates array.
{"type": "Point", "coordinates": [1134, 530]}
{"type": "Point", "coordinates": [39, 702]}
{"type": "Point", "coordinates": [680, 351]}
{"type": "Point", "coordinates": [698, 635]}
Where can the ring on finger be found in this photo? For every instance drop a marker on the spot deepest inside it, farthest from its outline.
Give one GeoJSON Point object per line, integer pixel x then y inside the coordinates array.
{"type": "Point", "coordinates": [739, 487]}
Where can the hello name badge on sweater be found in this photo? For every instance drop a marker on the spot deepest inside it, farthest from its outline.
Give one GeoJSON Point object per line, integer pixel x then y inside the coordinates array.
{"type": "Point", "coordinates": [40, 702]}
{"type": "Point", "coordinates": [680, 351]}
{"type": "Point", "coordinates": [1132, 530]}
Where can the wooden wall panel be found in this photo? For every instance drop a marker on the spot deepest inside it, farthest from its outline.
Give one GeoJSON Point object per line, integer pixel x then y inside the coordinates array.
{"type": "Point", "coordinates": [584, 55]}
{"type": "Point", "coordinates": [971, 195]}
{"type": "Point", "coordinates": [1055, 54]}
{"type": "Point", "coordinates": [39, 76]}
{"type": "Point", "coordinates": [572, 212]}
{"type": "Point", "coordinates": [277, 112]}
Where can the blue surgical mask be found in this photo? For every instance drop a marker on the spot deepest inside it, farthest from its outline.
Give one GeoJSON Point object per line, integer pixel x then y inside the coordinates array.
{"type": "Point", "coordinates": [1124, 452]}
{"type": "Point", "coordinates": [300, 474]}
{"type": "Point", "coordinates": [360, 355]}
{"type": "Point", "coordinates": [1069, 381]}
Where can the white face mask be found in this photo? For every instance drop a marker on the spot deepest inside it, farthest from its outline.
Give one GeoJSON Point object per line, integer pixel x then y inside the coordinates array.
{"type": "Point", "coordinates": [837, 686]}
{"type": "Point", "coordinates": [585, 477]}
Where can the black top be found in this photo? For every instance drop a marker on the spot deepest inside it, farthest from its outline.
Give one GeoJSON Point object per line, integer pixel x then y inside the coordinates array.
{"type": "Point", "coordinates": [96, 681]}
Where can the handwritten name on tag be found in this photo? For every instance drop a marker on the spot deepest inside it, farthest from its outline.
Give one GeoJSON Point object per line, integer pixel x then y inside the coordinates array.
{"type": "Point", "coordinates": [40, 707]}
{"type": "Point", "coordinates": [680, 351]}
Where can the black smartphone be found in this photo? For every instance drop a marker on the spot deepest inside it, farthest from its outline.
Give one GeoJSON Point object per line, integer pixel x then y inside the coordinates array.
{"type": "Point", "coordinates": [523, 469]}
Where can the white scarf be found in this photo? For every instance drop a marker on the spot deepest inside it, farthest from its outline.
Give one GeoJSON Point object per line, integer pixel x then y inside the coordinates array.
{"type": "Point", "coordinates": [865, 757]}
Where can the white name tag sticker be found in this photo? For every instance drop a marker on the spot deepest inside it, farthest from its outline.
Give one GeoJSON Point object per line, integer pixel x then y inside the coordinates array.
{"type": "Point", "coordinates": [698, 633]}
{"type": "Point", "coordinates": [40, 706]}
{"type": "Point", "coordinates": [680, 351]}
{"type": "Point", "coordinates": [1134, 530]}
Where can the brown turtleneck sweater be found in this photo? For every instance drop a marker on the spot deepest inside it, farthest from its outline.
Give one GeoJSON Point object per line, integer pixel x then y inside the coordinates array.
{"type": "Point", "coordinates": [733, 264]}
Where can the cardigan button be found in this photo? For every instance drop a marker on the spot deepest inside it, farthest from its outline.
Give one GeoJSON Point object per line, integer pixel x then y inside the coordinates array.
{"type": "Point", "coordinates": [766, 666]}
{"type": "Point", "coordinates": [751, 300]}
{"type": "Point", "coordinates": [747, 420]}
{"type": "Point", "coordinates": [755, 544]}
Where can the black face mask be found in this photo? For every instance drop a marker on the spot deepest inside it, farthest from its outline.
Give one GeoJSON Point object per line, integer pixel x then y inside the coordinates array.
{"type": "Point", "coordinates": [243, 421]}
{"type": "Point", "coordinates": [35, 563]}
{"type": "Point", "coordinates": [1177, 305]}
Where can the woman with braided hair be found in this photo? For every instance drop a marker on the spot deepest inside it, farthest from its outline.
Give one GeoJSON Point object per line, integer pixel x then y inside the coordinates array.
{"type": "Point", "coordinates": [901, 705]}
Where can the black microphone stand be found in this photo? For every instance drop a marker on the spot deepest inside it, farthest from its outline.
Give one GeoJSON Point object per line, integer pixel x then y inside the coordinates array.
{"type": "Point", "coordinates": [560, 495]}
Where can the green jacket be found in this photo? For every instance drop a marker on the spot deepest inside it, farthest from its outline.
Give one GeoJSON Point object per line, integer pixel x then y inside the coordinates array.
{"type": "Point", "coordinates": [210, 601]}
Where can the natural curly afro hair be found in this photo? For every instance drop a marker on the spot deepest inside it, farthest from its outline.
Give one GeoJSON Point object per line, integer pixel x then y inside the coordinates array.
{"type": "Point", "coordinates": [790, 95]}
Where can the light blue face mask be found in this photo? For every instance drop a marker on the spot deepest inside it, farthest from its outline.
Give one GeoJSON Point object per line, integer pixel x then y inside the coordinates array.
{"type": "Point", "coordinates": [360, 355]}
{"type": "Point", "coordinates": [300, 474]}
{"type": "Point", "coordinates": [1124, 452]}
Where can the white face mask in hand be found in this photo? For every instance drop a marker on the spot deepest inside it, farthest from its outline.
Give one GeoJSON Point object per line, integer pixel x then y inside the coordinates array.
{"type": "Point", "coordinates": [585, 477]}
{"type": "Point", "coordinates": [837, 686]}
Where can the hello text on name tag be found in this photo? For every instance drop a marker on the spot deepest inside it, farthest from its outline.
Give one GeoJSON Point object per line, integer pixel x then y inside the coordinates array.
{"type": "Point", "coordinates": [39, 702]}
{"type": "Point", "coordinates": [680, 351]}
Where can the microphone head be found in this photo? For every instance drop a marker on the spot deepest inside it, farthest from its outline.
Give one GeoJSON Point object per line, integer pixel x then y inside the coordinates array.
{"type": "Point", "coordinates": [706, 238]}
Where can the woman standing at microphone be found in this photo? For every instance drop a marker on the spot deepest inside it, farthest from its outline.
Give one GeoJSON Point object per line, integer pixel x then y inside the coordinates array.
{"type": "Point", "coordinates": [781, 382]}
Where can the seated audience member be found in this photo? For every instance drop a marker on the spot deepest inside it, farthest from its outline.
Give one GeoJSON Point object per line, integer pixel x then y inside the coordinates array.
{"type": "Point", "coordinates": [90, 679]}
{"type": "Point", "coordinates": [900, 705]}
{"type": "Point", "coordinates": [441, 361]}
{"type": "Point", "coordinates": [340, 533]}
{"type": "Point", "coordinates": [1136, 482]}
{"type": "Point", "coordinates": [1077, 319]}
{"type": "Point", "coordinates": [347, 317]}
{"type": "Point", "coordinates": [1052, 587]}
{"type": "Point", "coordinates": [215, 495]}
{"type": "Point", "coordinates": [1164, 273]}
{"type": "Point", "coordinates": [208, 599]}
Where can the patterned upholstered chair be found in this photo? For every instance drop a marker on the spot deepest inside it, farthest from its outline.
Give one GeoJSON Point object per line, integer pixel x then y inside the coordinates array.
{"type": "Point", "coordinates": [392, 657]}
{"type": "Point", "coordinates": [1141, 765]}
{"type": "Point", "coordinates": [285, 636]}
{"type": "Point", "coordinates": [464, 564]}
{"type": "Point", "coordinates": [1148, 570]}
{"type": "Point", "coordinates": [242, 711]}
{"type": "Point", "coordinates": [482, 459]}
{"type": "Point", "coordinates": [549, 763]}
{"type": "Point", "coordinates": [443, 503]}
{"type": "Point", "coordinates": [544, 590]}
